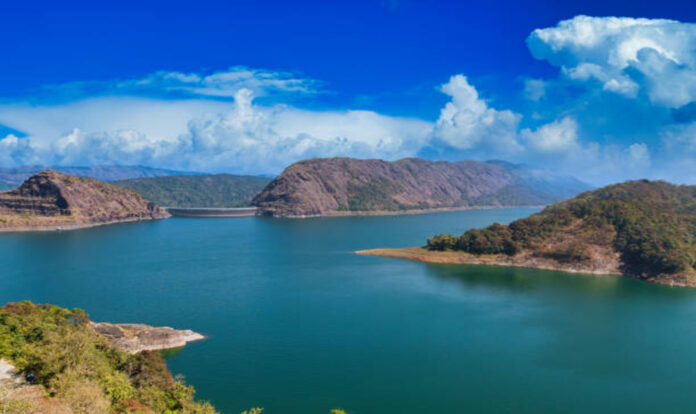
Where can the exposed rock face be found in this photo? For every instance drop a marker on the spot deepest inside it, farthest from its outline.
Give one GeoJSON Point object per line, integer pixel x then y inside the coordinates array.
{"type": "Point", "coordinates": [52, 200]}
{"type": "Point", "coordinates": [134, 338]}
{"type": "Point", "coordinates": [343, 186]}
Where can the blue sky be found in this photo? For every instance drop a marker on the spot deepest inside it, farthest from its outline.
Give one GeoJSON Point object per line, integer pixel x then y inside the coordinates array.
{"type": "Point", "coordinates": [249, 87]}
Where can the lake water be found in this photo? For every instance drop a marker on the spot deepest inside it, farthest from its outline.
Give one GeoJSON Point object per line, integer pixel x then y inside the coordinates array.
{"type": "Point", "coordinates": [297, 323]}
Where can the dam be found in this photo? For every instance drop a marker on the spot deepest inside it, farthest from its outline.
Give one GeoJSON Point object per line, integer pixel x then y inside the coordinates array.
{"type": "Point", "coordinates": [206, 212]}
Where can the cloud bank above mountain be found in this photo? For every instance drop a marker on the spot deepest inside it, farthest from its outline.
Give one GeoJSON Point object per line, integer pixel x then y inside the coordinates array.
{"type": "Point", "coordinates": [622, 106]}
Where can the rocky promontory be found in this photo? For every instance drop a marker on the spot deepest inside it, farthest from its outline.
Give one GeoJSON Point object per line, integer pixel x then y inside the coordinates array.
{"type": "Point", "coordinates": [51, 200]}
{"type": "Point", "coordinates": [134, 338]}
{"type": "Point", "coordinates": [347, 186]}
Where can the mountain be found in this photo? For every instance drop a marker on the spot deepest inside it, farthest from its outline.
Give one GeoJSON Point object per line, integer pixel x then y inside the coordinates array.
{"type": "Point", "coordinates": [12, 177]}
{"type": "Point", "coordinates": [219, 190]}
{"type": "Point", "coordinates": [329, 186]}
{"type": "Point", "coordinates": [554, 184]}
{"type": "Point", "coordinates": [642, 229]}
{"type": "Point", "coordinates": [53, 200]}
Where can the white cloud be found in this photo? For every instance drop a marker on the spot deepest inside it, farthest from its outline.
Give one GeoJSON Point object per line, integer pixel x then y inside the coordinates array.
{"type": "Point", "coordinates": [558, 136]}
{"type": "Point", "coordinates": [625, 55]}
{"type": "Point", "coordinates": [203, 135]}
{"type": "Point", "coordinates": [638, 155]}
{"type": "Point", "coordinates": [221, 84]}
{"type": "Point", "coordinates": [534, 89]}
{"type": "Point", "coordinates": [467, 121]}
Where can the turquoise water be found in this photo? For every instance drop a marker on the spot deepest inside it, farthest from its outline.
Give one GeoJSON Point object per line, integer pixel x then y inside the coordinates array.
{"type": "Point", "coordinates": [297, 323]}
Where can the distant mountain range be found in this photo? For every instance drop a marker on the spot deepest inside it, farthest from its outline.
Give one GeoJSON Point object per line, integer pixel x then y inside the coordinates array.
{"type": "Point", "coordinates": [13, 177]}
{"type": "Point", "coordinates": [331, 186]}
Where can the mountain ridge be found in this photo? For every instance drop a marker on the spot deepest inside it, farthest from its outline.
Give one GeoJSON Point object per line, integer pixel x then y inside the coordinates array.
{"type": "Point", "coordinates": [324, 186]}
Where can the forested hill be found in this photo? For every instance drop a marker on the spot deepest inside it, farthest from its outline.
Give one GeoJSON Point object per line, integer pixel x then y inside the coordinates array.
{"type": "Point", "coordinates": [644, 229]}
{"type": "Point", "coordinates": [219, 190]}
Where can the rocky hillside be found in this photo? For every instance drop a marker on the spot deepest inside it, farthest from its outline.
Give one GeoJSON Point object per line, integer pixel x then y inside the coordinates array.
{"type": "Point", "coordinates": [52, 200]}
{"type": "Point", "coordinates": [643, 229]}
{"type": "Point", "coordinates": [348, 186]}
{"type": "Point", "coordinates": [187, 191]}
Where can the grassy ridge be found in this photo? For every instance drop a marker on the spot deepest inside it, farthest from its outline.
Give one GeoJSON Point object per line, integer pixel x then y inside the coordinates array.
{"type": "Point", "coordinates": [219, 190]}
{"type": "Point", "coordinates": [650, 224]}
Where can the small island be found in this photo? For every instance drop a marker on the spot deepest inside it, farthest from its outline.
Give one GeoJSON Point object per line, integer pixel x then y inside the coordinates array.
{"type": "Point", "coordinates": [640, 229]}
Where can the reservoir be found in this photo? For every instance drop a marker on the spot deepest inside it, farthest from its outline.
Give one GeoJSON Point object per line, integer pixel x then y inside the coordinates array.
{"type": "Point", "coordinates": [297, 323]}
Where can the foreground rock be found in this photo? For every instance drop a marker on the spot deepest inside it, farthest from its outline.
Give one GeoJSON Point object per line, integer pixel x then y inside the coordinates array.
{"type": "Point", "coordinates": [134, 338]}
{"type": "Point", "coordinates": [51, 201]}
{"type": "Point", "coordinates": [345, 186]}
{"type": "Point", "coordinates": [641, 229]}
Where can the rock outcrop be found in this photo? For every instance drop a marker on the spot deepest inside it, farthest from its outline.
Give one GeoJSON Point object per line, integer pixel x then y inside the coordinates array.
{"type": "Point", "coordinates": [351, 186]}
{"type": "Point", "coordinates": [134, 338]}
{"type": "Point", "coordinates": [52, 200]}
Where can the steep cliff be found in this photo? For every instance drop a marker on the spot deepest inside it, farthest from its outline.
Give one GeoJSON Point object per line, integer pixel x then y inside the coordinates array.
{"type": "Point", "coordinates": [349, 186]}
{"type": "Point", "coordinates": [52, 200]}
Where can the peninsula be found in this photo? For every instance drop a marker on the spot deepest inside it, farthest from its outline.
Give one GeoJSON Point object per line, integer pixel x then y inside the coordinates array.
{"type": "Point", "coordinates": [51, 200]}
{"type": "Point", "coordinates": [641, 229]}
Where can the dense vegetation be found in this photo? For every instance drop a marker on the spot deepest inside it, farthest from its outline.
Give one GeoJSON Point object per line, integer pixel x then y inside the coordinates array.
{"type": "Point", "coordinates": [651, 224]}
{"type": "Point", "coordinates": [80, 372]}
{"type": "Point", "coordinates": [220, 190]}
{"type": "Point", "coordinates": [79, 369]}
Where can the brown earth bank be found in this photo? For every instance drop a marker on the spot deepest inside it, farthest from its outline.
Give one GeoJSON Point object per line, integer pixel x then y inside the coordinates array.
{"type": "Point", "coordinates": [526, 260]}
{"type": "Point", "coordinates": [51, 200]}
{"type": "Point", "coordinates": [346, 186]}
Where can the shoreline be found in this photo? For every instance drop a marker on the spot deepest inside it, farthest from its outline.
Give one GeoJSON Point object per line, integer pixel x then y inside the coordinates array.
{"type": "Point", "coordinates": [376, 213]}
{"type": "Point", "coordinates": [70, 227]}
{"type": "Point", "coordinates": [421, 254]}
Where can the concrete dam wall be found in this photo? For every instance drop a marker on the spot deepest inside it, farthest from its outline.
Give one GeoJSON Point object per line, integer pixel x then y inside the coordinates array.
{"type": "Point", "coordinates": [212, 212]}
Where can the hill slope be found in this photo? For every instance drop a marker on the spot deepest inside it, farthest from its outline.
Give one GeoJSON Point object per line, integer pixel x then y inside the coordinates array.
{"type": "Point", "coordinates": [344, 185]}
{"type": "Point", "coordinates": [642, 229]}
{"type": "Point", "coordinates": [219, 190]}
{"type": "Point", "coordinates": [13, 177]}
{"type": "Point", "coordinates": [76, 370]}
{"type": "Point", "coordinates": [50, 200]}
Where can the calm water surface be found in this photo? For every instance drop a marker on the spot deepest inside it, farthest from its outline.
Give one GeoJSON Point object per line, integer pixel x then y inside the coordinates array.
{"type": "Point", "coordinates": [297, 323]}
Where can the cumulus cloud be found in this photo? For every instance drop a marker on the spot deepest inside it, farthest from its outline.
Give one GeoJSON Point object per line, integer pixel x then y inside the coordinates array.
{"type": "Point", "coordinates": [197, 135]}
{"type": "Point", "coordinates": [625, 55]}
{"type": "Point", "coordinates": [467, 121]}
{"type": "Point", "coordinates": [633, 115]}
{"type": "Point", "coordinates": [558, 136]}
